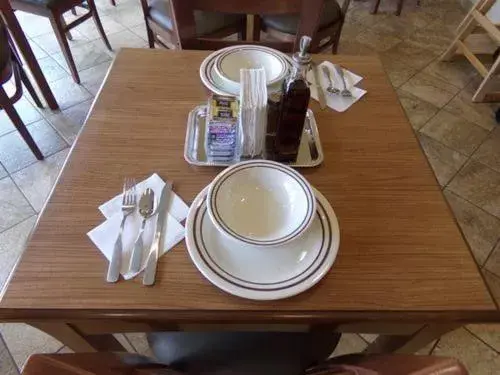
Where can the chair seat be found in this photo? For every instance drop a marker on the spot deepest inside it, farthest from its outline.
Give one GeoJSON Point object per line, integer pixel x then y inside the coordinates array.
{"type": "Point", "coordinates": [288, 23]}
{"type": "Point", "coordinates": [206, 22]}
{"type": "Point", "coordinates": [50, 4]}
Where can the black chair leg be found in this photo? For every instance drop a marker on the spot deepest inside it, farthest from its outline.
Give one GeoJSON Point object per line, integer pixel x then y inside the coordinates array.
{"type": "Point", "coordinates": [8, 107]}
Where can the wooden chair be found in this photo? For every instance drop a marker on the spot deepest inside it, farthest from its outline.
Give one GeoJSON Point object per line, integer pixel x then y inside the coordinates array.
{"type": "Point", "coordinates": [476, 21]}
{"type": "Point", "coordinates": [54, 10]}
{"type": "Point", "coordinates": [284, 27]}
{"type": "Point", "coordinates": [309, 19]}
{"type": "Point", "coordinates": [161, 25]}
{"type": "Point", "coordinates": [10, 65]}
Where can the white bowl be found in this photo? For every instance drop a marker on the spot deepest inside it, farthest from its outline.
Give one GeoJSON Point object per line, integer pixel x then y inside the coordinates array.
{"type": "Point", "coordinates": [228, 64]}
{"type": "Point", "coordinates": [261, 202]}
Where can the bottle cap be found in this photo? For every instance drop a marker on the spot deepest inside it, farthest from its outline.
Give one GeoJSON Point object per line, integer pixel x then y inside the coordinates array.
{"type": "Point", "coordinates": [303, 57]}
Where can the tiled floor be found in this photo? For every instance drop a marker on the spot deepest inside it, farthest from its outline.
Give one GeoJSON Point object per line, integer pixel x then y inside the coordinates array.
{"type": "Point", "coordinates": [460, 139]}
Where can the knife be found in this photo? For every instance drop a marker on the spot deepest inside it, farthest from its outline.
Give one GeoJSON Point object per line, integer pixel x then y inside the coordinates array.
{"type": "Point", "coordinates": [158, 240]}
{"type": "Point", "coordinates": [319, 89]}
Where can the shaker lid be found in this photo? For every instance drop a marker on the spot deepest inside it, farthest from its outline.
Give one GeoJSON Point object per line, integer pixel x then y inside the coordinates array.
{"type": "Point", "coordinates": [303, 56]}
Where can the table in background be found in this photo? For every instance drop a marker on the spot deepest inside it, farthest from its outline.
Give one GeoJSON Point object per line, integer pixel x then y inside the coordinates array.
{"type": "Point", "coordinates": [403, 267]}
{"type": "Point", "coordinates": [7, 13]}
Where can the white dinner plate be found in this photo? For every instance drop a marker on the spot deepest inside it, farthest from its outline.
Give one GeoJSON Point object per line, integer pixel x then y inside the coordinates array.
{"type": "Point", "coordinates": [216, 84]}
{"type": "Point", "coordinates": [228, 64]}
{"type": "Point", "coordinates": [258, 273]}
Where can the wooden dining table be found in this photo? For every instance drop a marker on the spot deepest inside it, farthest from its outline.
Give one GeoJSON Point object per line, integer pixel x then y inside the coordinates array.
{"type": "Point", "coordinates": [403, 270]}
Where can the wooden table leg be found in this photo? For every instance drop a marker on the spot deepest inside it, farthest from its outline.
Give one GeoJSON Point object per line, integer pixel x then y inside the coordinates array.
{"type": "Point", "coordinates": [412, 343]}
{"type": "Point", "coordinates": [77, 341]}
{"type": "Point", "coordinates": [24, 47]}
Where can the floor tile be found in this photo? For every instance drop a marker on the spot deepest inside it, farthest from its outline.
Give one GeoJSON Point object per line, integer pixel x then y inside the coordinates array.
{"type": "Point", "coordinates": [64, 350]}
{"type": "Point", "coordinates": [89, 31]}
{"type": "Point", "coordinates": [37, 51]}
{"type": "Point", "coordinates": [493, 283]}
{"type": "Point", "coordinates": [140, 31]}
{"type": "Point", "coordinates": [368, 337]}
{"type": "Point", "coordinates": [92, 78]}
{"type": "Point", "coordinates": [398, 71]}
{"type": "Point", "coordinates": [349, 343]}
{"type": "Point", "coordinates": [37, 180]}
{"type": "Point", "coordinates": [15, 153]}
{"type": "Point", "coordinates": [354, 48]}
{"type": "Point", "coordinates": [418, 111]}
{"type": "Point", "coordinates": [48, 42]}
{"type": "Point", "coordinates": [493, 263]}
{"type": "Point", "coordinates": [428, 349]}
{"type": "Point", "coordinates": [481, 230]}
{"type": "Point", "coordinates": [378, 40]}
{"type": "Point", "coordinates": [85, 55]}
{"type": "Point", "coordinates": [68, 93]}
{"type": "Point", "coordinates": [51, 69]}
{"type": "Point", "coordinates": [7, 364]}
{"type": "Point", "coordinates": [24, 340]}
{"type": "Point", "coordinates": [477, 357]}
{"type": "Point", "coordinates": [431, 39]}
{"type": "Point", "coordinates": [125, 39]}
{"type": "Point", "coordinates": [480, 185]}
{"type": "Point", "coordinates": [489, 333]}
{"type": "Point", "coordinates": [128, 15]}
{"type": "Point", "coordinates": [13, 206]}
{"type": "Point", "coordinates": [69, 122]}
{"type": "Point", "coordinates": [489, 152]}
{"type": "Point", "coordinates": [33, 25]}
{"type": "Point", "coordinates": [3, 172]}
{"type": "Point", "coordinates": [25, 110]}
{"type": "Point", "coordinates": [459, 73]}
{"type": "Point", "coordinates": [430, 89]}
{"type": "Point", "coordinates": [411, 54]}
{"type": "Point", "coordinates": [455, 132]}
{"type": "Point", "coordinates": [12, 243]}
{"type": "Point", "coordinates": [403, 26]}
{"type": "Point", "coordinates": [140, 343]}
{"type": "Point", "coordinates": [444, 161]}
{"type": "Point", "coordinates": [482, 114]}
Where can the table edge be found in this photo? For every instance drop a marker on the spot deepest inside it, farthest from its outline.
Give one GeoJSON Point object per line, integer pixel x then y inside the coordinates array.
{"type": "Point", "coordinates": [251, 316]}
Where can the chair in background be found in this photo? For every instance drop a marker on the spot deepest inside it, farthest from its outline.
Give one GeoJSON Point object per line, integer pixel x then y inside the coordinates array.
{"type": "Point", "coordinates": [10, 65]}
{"type": "Point", "coordinates": [284, 27]}
{"type": "Point", "coordinates": [308, 11]}
{"type": "Point", "coordinates": [162, 28]}
{"type": "Point", "coordinates": [477, 22]}
{"type": "Point", "coordinates": [54, 10]}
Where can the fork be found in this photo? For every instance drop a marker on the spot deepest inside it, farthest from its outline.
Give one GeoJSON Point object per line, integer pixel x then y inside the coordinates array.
{"type": "Point", "coordinates": [128, 207]}
{"type": "Point", "coordinates": [345, 91]}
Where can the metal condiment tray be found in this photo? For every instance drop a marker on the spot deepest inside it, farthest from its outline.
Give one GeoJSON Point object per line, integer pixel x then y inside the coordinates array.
{"type": "Point", "coordinates": [310, 151]}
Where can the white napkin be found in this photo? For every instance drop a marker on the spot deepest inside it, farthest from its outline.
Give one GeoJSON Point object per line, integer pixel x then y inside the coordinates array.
{"type": "Point", "coordinates": [104, 235]}
{"type": "Point", "coordinates": [336, 101]}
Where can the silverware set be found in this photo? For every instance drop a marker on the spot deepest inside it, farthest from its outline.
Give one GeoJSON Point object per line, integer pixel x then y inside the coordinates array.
{"type": "Point", "coordinates": [331, 87]}
{"type": "Point", "coordinates": [146, 210]}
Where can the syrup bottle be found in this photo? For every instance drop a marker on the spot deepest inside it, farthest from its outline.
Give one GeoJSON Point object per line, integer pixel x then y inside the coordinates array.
{"type": "Point", "coordinates": [293, 106]}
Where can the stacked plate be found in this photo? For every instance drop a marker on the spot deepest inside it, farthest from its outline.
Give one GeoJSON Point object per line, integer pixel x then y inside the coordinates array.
{"type": "Point", "coordinates": [220, 71]}
{"type": "Point", "coordinates": [260, 231]}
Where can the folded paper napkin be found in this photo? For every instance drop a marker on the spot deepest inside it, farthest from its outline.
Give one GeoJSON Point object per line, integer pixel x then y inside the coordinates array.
{"type": "Point", "coordinates": [336, 101]}
{"type": "Point", "coordinates": [104, 235]}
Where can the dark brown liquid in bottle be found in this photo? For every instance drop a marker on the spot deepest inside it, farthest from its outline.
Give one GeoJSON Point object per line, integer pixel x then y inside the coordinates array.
{"type": "Point", "coordinates": [292, 115]}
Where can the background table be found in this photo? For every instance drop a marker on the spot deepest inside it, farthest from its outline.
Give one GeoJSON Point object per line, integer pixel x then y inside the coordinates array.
{"type": "Point", "coordinates": [403, 267]}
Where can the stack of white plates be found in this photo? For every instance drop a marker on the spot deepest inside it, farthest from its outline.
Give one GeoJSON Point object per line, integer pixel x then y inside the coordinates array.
{"type": "Point", "coordinates": [220, 71]}
{"type": "Point", "coordinates": [261, 232]}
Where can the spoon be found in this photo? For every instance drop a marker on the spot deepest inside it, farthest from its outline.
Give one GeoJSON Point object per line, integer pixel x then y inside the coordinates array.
{"type": "Point", "coordinates": [146, 209]}
{"type": "Point", "coordinates": [331, 87]}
